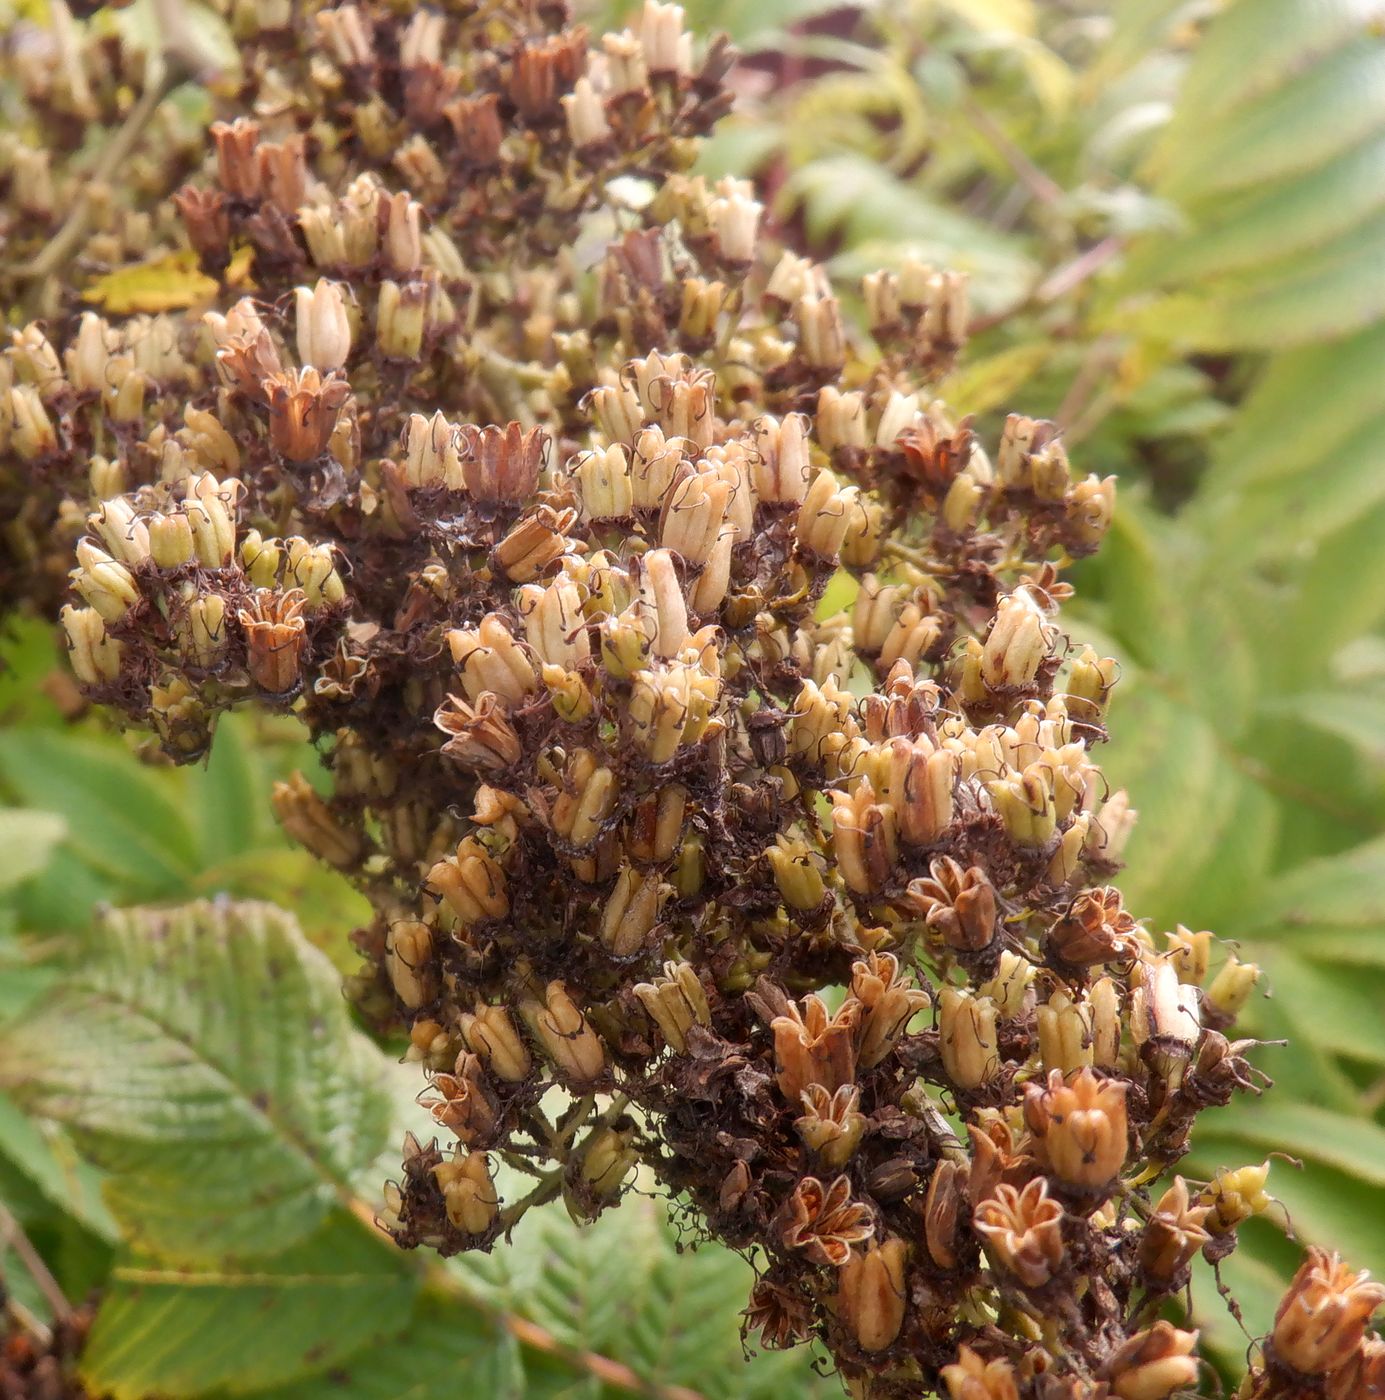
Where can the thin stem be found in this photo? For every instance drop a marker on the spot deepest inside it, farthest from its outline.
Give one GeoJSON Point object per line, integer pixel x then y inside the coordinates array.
{"type": "Point", "coordinates": [549, 1185]}
{"type": "Point", "coordinates": [1078, 401]}
{"type": "Point", "coordinates": [12, 1232]}
{"type": "Point", "coordinates": [1073, 274]}
{"type": "Point", "coordinates": [1041, 186]}
{"type": "Point", "coordinates": [34, 1326]}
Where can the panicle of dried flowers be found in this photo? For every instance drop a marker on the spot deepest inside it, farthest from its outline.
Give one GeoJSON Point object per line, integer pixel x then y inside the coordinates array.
{"type": "Point", "coordinates": [699, 720]}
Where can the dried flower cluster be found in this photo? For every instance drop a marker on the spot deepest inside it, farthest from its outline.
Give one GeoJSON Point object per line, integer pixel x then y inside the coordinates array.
{"type": "Point", "coordinates": [698, 719]}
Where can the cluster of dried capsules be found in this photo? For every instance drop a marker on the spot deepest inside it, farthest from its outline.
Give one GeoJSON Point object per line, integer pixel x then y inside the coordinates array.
{"type": "Point", "coordinates": [698, 720]}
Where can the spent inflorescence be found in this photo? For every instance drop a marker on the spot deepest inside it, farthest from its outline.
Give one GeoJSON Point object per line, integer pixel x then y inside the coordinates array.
{"type": "Point", "coordinates": [696, 711]}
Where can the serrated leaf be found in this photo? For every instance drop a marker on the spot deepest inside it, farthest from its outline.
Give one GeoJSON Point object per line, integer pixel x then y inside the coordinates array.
{"type": "Point", "coordinates": [1284, 520]}
{"type": "Point", "coordinates": [623, 1289]}
{"type": "Point", "coordinates": [1310, 403]}
{"type": "Point", "coordinates": [993, 380]}
{"type": "Point", "coordinates": [46, 1159]}
{"type": "Point", "coordinates": [242, 1327]}
{"type": "Point", "coordinates": [1317, 295]}
{"type": "Point", "coordinates": [1169, 758]}
{"type": "Point", "coordinates": [205, 1058]}
{"type": "Point", "coordinates": [1337, 1008]}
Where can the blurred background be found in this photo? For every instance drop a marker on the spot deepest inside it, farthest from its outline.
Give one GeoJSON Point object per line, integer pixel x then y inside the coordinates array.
{"type": "Point", "coordinates": [1173, 215]}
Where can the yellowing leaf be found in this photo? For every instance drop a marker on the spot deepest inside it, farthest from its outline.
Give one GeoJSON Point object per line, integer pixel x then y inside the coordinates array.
{"type": "Point", "coordinates": [165, 284]}
{"type": "Point", "coordinates": [238, 269]}
{"type": "Point", "coordinates": [995, 16]}
{"type": "Point", "coordinates": [985, 384]}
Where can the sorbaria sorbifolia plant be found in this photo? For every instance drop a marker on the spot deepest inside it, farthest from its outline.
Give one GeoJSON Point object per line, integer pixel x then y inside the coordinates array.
{"type": "Point", "coordinates": [697, 715]}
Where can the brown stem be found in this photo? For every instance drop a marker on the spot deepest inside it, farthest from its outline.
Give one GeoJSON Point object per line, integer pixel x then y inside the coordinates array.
{"type": "Point", "coordinates": [1073, 274]}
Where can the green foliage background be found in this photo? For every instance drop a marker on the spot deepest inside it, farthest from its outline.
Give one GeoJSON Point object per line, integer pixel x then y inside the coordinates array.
{"type": "Point", "coordinates": [1174, 214]}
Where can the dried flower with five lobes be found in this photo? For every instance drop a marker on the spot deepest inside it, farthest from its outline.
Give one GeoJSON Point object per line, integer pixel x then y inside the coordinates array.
{"type": "Point", "coordinates": [275, 636]}
{"type": "Point", "coordinates": [957, 905]}
{"type": "Point", "coordinates": [303, 409]}
{"type": "Point", "coordinates": [1321, 1321]}
{"type": "Point", "coordinates": [1095, 929]}
{"type": "Point", "coordinates": [888, 1001]}
{"type": "Point", "coordinates": [1173, 1235]}
{"type": "Point", "coordinates": [824, 1221]}
{"type": "Point", "coordinates": [813, 1046]}
{"type": "Point", "coordinates": [832, 1123]}
{"type": "Point", "coordinates": [972, 1377]}
{"type": "Point", "coordinates": [1080, 1129]}
{"type": "Point", "coordinates": [1023, 1231]}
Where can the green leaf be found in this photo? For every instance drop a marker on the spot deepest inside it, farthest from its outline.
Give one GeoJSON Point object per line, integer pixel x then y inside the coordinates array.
{"type": "Point", "coordinates": [1346, 1143]}
{"type": "Point", "coordinates": [1169, 758]}
{"type": "Point", "coordinates": [447, 1350]}
{"type": "Point", "coordinates": [1357, 717]}
{"type": "Point", "coordinates": [624, 1289]}
{"type": "Point", "coordinates": [1335, 1008]}
{"type": "Point", "coordinates": [119, 822]}
{"type": "Point", "coordinates": [1313, 296]}
{"type": "Point", "coordinates": [1268, 224]}
{"type": "Point", "coordinates": [1341, 892]}
{"type": "Point", "coordinates": [242, 1327]}
{"type": "Point", "coordinates": [1324, 111]}
{"type": "Point", "coordinates": [1309, 405]}
{"type": "Point", "coordinates": [1285, 36]}
{"type": "Point", "coordinates": [26, 843]}
{"type": "Point", "coordinates": [204, 1057]}
{"type": "Point", "coordinates": [44, 1156]}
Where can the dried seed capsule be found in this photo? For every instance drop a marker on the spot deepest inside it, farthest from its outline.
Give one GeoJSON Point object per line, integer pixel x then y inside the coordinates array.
{"type": "Point", "coordinates": [95, 656]}
{"type": "Point", "coordinates": [104, 582]}
{"type": "Point", "coordinates": [1152, 1364]}
{"type": "Point", "coordinates": [675, 1002]}
{"type": "Point", "coordinates": [568, 1040]}
{"type": "Point", "coordinates": [871, 1293]}
{"type": "Point", "coordinates": [311, 822]}
{"type": "Point", "coordinates": [491, 1035]}
{"type": "Point", "coordinates": [631, 911]}
{"type": "Point", "coordinates": [409, 959]}
{"type": "Point", "coordinates": [468, 1192]}
{"type": "Point", "coordinates": [471, 882]}
{"type": "Point", "coordinates": [967, 1037]}
{"type": "Point", "coordinates": [324, 330]}
{"type": "Point", "coordinates": [1080, 1128]}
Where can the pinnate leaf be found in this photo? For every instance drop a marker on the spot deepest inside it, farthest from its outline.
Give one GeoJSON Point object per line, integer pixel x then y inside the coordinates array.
{"type": "Point", "coordinates": [204, 1057]}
